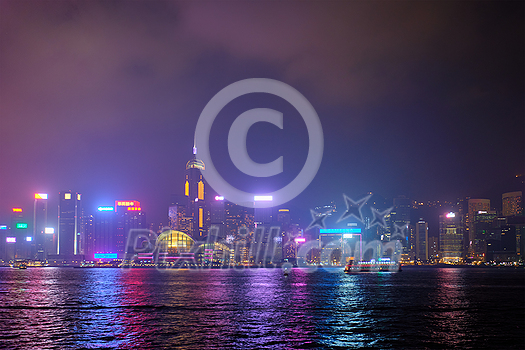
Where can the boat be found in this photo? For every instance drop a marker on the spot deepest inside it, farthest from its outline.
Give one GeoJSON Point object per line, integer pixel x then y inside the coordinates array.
{"type": "Point", "coordinates": [20, 264]}
{"type": "Point", "coordinates": [381, 265]}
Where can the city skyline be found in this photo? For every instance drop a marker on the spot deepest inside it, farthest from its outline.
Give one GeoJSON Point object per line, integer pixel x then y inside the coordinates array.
{"type": "Point", "coordinates": [497, 201]}
{"type": "Point", "coordinates": [424, 100]}
{"type": "Point", "coordinates": [470, 232]}
{"type": "Point", "coordinates": [304, 218]}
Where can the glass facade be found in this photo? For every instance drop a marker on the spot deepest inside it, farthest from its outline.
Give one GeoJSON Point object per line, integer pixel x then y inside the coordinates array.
{"type": "Point", "coordinates": [451, 238]}
{"type": "Point", "coordinates": [175, 242]}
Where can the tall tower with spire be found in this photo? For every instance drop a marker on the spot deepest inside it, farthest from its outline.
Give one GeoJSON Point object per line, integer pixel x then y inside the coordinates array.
{"type": "Point", "coordinates": [195, 190]}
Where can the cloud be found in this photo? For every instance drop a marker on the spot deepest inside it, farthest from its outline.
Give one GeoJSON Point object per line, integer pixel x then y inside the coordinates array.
{"type": "Point", "coordinates": [351, 52]}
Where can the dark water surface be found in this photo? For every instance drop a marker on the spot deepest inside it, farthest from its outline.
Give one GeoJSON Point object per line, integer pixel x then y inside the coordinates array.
{"type": "Point", "coordinates": [419, 308]}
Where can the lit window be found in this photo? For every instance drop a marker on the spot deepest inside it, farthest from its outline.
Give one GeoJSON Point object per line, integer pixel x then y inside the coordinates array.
{"type": "Point", "coordinates": [67, 195]}
{"type": "Point", "coordinates": [201, 190]}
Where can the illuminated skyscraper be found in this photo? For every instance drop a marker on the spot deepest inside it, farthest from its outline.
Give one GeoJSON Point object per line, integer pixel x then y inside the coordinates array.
{"type": "Point", "coordinates": [177, 217]}
{"type": "Point", "coordinates": [482, 227]}
{"type": "Point", "coordinates": [239, 227]}
{"type": "Point", "coordinates": [129, 215]}
{"type": "Point", "coordinates": [450, 238]}
{"type": "Point", "coordinates": [106, 238]}
{"type": "Point", "coordinates": [512, 203]}
{"type": "Point", "coordinates": [218, 215]}
{"type": "Point", "coordinates": [400, 216]}
{"type": "Point", "coordinates": [195, 190]}
{"type": "Point", "coordinates": [19, 240]}
{"type": "Point", "coordinates": [267, 236]}
{"type": "Point", "coordinates": [39, 226]}
{"type": "Point", "coordinates": [288, 246]}
{"type": "Point", "coordinates": [235, 217]}
{"type": "Point", "coordinates": [4, 232]}
{"type": "Point", "coordinates": [174, 211]}
{"type": "Point", "coordinates": [474, 206]}
{"type": "Point", "coordinates": [283, 216]}
{"type": "Point", "coordinates": [422, 240]}
{"type": "Point", "coordinates": [69, 209]}
{"type": "Point", "coordinates": [88, 224]}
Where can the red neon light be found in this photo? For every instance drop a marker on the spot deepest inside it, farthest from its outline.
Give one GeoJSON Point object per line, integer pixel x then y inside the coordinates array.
{"type": "Point", "coordinates": [127, 204]}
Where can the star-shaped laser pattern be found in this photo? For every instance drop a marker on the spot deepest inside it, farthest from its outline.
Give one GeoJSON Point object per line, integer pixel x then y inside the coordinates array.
{"type": "Point", "coordinates": [379, 216]}
{"type": "Point", "coordinates": [399, 232]}
{"type": "Point", "coordinates": [354, 208]}
{"type": "Point", "coordinates": [318, 219]}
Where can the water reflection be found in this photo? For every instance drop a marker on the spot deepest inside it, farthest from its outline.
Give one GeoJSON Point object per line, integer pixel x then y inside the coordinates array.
{"type": "Point", "coordinates": [450, 308]}
{"type": "Point", "coordinates": [259, 308]}
{"type": "Point", "coordinates": [26, 296]}
{"type": "Point", "coordinates": [299, 326]}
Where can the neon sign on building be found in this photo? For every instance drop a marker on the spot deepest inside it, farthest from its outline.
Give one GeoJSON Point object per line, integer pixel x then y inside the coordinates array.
{"type": "Point", "coordinates": [105, 255]}
{"type": "Point", "coordinates": [106, 209]}
{"type": "Point", "coordinates": [127, 204]}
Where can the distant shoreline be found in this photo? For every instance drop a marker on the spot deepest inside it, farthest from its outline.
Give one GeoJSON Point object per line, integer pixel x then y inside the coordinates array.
{"type": "Point", "coordinates": [269, 267]}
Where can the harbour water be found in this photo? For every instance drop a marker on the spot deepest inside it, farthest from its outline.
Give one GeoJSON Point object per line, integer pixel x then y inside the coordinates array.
{"type": "Point", "coordinates": [419, 308]}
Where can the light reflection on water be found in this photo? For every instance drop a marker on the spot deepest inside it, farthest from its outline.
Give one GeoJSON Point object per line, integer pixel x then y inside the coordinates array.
{"type": "Point", "coordinates": [419, 308]}
{"type": "Point", "coordinates": [450, 309]}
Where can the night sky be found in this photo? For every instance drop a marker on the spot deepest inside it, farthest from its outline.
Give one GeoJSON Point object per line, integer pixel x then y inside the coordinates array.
{"type": "Point", "coordinates": [423, 99]}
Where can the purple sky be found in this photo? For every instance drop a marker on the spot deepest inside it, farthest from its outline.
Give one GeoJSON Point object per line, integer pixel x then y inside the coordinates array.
{"type": "Point", "coordinates": [422, 98]}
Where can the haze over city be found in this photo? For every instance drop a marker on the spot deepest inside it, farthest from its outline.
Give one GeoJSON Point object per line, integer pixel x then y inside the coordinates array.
{"type": "Point", "coordinates": [423, 99]}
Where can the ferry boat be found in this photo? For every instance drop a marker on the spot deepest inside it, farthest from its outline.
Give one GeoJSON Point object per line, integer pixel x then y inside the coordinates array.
{"type": "Point", "coordinates": [381, 265]}
{"type": "Point", "coordinates": [20, 264]}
